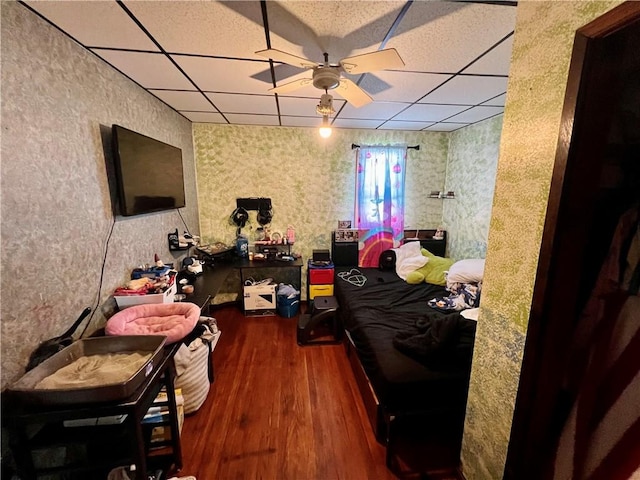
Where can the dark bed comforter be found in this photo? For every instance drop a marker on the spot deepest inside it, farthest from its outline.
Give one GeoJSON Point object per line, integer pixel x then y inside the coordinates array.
{"type": "Point", "coordinates": [417, 359]}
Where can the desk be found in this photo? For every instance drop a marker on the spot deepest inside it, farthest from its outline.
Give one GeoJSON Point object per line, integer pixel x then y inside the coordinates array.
{"type": "Point", "coordinates": [19, 418]}
{"type": "Point", "coordinates": [246, 265]}
{"type": "Point", "coordinates": [207, 284]}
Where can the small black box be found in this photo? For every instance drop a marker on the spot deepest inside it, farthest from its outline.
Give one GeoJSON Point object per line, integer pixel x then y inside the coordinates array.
{"type": "Point", "coordinates": [321, 256]}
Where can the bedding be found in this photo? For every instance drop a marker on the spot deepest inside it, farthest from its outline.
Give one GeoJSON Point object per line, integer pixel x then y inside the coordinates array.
{"type": "Point", "coordinates": [382, 307]}
{"type": "Point", "coordinates": [434, 271]}
{"type": "Point", "coordinates": [461, 297]}
{"type": "Point", "coordinates": [409, 258]}
{"type": "Point", "coordinates": [173, 320]}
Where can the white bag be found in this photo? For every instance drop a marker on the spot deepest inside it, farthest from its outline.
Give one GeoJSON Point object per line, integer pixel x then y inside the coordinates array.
{"type": "Point", "coordinates": [194, 372]}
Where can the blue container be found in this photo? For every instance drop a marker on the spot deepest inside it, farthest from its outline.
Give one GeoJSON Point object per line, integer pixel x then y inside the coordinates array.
{"type": "Point", "coordinates": [242, 246]}
{"type": "Point", "coordinates": [287, 307]}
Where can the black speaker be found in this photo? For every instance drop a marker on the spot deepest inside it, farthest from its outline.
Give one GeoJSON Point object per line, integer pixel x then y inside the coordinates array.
{"type": "Point", "coordinates": [344, 254]}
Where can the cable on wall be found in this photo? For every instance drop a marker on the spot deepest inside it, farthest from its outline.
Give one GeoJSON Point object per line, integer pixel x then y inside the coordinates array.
{"type": "Point", "coordinates": [104, 262]}
{"type": "Point", "coordinates": [185, 223]}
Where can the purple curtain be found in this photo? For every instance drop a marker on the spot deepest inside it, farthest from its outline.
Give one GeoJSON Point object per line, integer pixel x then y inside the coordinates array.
{"type": "Point", "coordinates": [380, 176]}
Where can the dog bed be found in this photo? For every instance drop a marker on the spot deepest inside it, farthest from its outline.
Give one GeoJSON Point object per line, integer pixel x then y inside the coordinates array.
{"type": "Point", "coordinates": [174, 320]}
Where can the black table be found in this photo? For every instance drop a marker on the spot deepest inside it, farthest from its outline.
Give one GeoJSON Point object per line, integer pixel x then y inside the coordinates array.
{"type": "Point", "coordinates": [20, 417]}
{"type": "Point", "coordinates": [208, 283]}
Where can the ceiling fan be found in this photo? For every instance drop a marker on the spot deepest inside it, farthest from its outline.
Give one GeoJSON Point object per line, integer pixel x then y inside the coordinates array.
{"type": "Point", "coordinates": [327, 76]}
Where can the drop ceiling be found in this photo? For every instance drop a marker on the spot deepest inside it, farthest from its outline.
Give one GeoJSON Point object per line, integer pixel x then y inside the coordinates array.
{"type": "Point", "coordinates": [199, 57]}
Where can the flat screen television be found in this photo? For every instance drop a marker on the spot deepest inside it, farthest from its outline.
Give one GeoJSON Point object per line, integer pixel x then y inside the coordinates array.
{"type": "Point", "coordinates": [149, 173]}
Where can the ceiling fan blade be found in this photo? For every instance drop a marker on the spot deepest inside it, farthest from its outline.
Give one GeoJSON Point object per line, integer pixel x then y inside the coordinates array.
{"type": "Point", "coordinates": [369, 62]}
{"type": "Point", "coordinates": [284, 57]}
{"type": "Point", "coordinates": [291, 86]}
{"type": "Point", "coordinates": [352, 93]}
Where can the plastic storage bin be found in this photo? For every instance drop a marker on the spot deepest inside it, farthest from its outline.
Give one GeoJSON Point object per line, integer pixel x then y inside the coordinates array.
{"type": "Point", "coordinates": [288, 307]}
{"type": "Point", "coordinates": [168, 296]}
{"type": "Point", "coordinates": [320, 276]}
{"type": "Point", "coordinates": [315, 290]}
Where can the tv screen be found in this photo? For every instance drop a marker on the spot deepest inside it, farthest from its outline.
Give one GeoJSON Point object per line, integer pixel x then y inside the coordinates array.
{"type": "Point", "coordinates": [149, 173]}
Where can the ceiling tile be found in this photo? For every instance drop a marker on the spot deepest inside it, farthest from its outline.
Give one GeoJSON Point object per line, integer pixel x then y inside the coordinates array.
{"type": "Point", "coordinates": [203, 28]}
{"type": "Point", "coordinates": [301, 121]}
{"type": "Point", "coordinates": [498, 101]}
{"type": "Point", "coordinates": [428, 112]}
{"type": "Point", "coordinates": [446, 127]}
{"type": "Point", "coordinates": [305, 107]}
{"type": "Point", "coordinates": [476, 114]}
{"type": "Point", "coordinates": [355, 123]}
{"type": "Point", "coordinates": [221, 75]}
{"type": "Point", "coordinates": [496, 62]}
{"type": "Point", "coordinates": [374, 110]}
{"type": "Point", "coordinates": [308, 29]}
{"type": "Point", "coordinates": [444, 37]}
{"type": "Point", "coordinates": [204, 117]}
{"type": "Point", "coordinates": [151, 70]}
{"type": "Point", "coordinates": [404, 86]}
{"type": "Point", "coordinates": [192, 101]}
{"type": "Point", "coordinates": [237, 103]}
{"type": "Point", "coordinates": [241, 119]}
{"type": "Point", "coordinates": [402, 125]}
{"type": "Point", "coordinates": [95, 24]}
{"type": "Point", "coordinates": [467, 90]}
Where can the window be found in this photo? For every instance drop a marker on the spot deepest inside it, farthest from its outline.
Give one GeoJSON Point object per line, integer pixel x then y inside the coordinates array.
{"type": "Point", "coordinates": [380, 177]}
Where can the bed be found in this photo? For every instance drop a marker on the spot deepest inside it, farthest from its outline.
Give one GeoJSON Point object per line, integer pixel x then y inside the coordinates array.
{"type": "Point", "coordinates": [407, 391]}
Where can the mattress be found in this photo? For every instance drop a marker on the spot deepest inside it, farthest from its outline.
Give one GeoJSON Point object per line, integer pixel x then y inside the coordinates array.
{"type": "Point", "coordinates": [374, 307]}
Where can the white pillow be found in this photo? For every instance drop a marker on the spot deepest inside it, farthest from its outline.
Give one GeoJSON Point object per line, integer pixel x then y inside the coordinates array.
{"type": "Point", "coordinates": [409, 258]}
{"type": "Point", "coordinates": [466, 271]}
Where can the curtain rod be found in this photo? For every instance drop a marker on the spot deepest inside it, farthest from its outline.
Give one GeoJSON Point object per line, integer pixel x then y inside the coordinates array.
{"type": "Point", "coordinates": [415, 147]}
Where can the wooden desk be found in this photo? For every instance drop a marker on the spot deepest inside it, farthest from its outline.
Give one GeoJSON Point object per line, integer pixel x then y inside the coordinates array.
{"type": "Point", "coordinates": [20, 418]}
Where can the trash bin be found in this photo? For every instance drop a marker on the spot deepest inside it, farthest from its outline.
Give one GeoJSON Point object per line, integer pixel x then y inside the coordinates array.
{"type": "Point", "coordinates": [287, 300]}
{"type": "Point", "coordinates": [287, 305]}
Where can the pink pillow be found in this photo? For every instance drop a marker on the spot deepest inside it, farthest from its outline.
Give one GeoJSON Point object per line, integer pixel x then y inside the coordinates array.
{"type": "Point", "coordinates": [174, 320]}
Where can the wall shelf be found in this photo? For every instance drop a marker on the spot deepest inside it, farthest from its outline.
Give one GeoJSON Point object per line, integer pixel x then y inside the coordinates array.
{"type": "Point", "coordinates": [442, 195]}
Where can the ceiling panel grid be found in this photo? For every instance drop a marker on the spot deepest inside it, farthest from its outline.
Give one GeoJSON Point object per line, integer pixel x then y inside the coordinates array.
{"type": "Point", "coordinates": [199, 57]}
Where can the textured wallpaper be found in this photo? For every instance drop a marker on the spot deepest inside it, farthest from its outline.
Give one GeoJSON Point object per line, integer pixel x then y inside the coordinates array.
{"type": "Point", "coordinates": [471, 174]}
{"type": "Point", "coordinates": [58, 104]}
{"type": "Point", "coordinates": [538, 75]}
{"type": "Point", "coordinates": [311, 181]}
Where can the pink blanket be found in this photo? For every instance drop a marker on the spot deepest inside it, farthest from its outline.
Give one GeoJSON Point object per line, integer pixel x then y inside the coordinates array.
{"type": "Point", "coordinates": [174, 320]}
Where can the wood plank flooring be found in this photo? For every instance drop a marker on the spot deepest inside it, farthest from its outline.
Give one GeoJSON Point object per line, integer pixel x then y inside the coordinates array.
{"type": "Point", "coordinates": [279, 411]}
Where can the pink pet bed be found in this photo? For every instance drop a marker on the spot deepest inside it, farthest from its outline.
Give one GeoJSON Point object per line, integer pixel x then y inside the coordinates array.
{"type": "Point", "coordinates": [174, 320]}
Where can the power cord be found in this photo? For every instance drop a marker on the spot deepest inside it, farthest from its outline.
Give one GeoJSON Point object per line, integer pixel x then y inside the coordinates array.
{"type": "Point", "coordinates": [104, 262]}
{"type": "Point", "coordinates": [251, 282]}
{"type": "Point", "coordinates": [185, 223]}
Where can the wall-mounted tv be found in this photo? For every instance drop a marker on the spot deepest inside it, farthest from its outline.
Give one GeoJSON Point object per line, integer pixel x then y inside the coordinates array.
{"type": "Point", "coordinates": [149, 173]}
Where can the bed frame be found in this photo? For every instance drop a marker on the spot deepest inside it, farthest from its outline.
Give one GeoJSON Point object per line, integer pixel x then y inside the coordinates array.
{"type": "Point", "coordinates": [412, 439]}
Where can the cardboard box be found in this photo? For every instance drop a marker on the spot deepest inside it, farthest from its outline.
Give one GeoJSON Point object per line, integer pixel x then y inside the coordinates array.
{"type": "Point", "coordinates": [260, 297]}
{"type": "Point", "coordinates": [125, 301]}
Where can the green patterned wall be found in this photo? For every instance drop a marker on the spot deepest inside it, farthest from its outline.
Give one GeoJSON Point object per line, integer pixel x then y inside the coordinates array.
{"type": "Point", "coordinates": [538, 75]}
{"type": "Point", "coordinates": [471, 174]}
{"type": "Point", "coordinates": [311, 181]}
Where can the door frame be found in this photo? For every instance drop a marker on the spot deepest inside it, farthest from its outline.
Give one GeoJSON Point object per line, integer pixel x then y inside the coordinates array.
{"type": "Point", "coordinates": [554, 311]}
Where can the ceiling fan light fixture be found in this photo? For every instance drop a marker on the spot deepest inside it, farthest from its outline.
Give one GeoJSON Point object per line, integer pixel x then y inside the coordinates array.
{"type": "Point", "coordinates": [325, 107]}
{"type": "Point", "coordinates": [325, 128]}
{"type": "Point", "coordinates": [326, 78]}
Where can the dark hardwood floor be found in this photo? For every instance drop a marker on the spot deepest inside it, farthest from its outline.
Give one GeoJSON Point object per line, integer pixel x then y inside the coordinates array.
{"type": "Point", "coordinates": [279, 411]}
